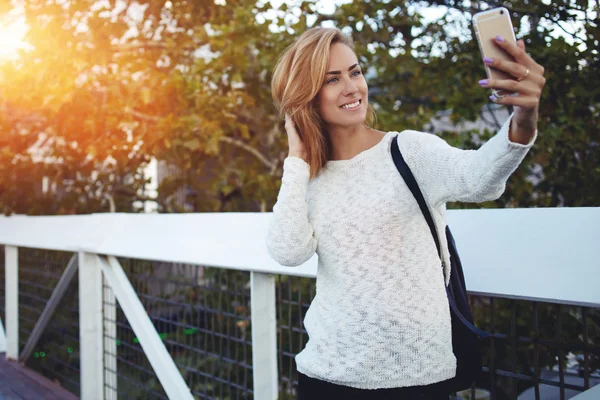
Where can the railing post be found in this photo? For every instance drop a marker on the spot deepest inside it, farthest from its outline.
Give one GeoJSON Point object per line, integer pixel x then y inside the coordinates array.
{"type": "Point", "coordinates": [2, 338]}
{"type": "Point", "coordinates": [91, 332]}
{"type": "Point", "coordinates": [12, 301]}
{"type": "Point", "coordinates": [264, 336]}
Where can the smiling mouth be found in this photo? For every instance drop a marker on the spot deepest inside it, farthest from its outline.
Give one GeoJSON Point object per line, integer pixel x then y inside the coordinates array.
{"type": "Point", "coordinates": [352, 106]}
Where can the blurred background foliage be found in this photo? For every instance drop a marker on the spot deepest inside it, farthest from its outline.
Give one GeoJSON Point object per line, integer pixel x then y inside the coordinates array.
{"type": "Point", "coordinates": [104, 87]}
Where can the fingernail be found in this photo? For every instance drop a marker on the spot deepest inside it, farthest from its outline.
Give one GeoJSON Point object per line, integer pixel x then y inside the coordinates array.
{"type": "Point", "coordinates": [483, 82]}
{"type": "Point", "coordinates": [499, 38]}
{"type": "Point", "coordinates": [488, 60]}
{"type": "Point", "coordinates": [492, 98]}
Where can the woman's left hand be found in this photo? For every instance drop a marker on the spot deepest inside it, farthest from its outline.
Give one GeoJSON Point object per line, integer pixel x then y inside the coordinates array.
{"type": "Point", "coordinates": [528, 84]}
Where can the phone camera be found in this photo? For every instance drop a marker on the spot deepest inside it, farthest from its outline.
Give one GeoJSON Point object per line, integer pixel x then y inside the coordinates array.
{"type": "Point", "coordinates": [501, 12]}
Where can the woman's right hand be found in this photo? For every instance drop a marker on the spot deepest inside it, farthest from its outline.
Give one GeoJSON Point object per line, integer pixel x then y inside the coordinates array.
{"type": "Point", "coordinates": [296, 147]}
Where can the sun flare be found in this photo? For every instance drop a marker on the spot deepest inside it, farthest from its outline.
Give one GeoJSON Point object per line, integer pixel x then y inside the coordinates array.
{"type": "Point", "coordinates": [11, 39]}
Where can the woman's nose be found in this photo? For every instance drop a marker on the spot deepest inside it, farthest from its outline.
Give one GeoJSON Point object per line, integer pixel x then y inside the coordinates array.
{"type": "Point", "coordinates": [350, 87]}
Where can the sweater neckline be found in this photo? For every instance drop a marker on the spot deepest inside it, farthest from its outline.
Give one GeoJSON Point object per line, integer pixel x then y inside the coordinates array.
{"type": "Point", "coordinates": [332, 164]}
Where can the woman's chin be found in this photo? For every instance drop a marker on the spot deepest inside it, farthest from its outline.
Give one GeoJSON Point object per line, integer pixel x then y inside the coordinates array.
{"type": "Point", "coordinates": [356, 119]}
{"type": "Point", "coordinates": [348, 119]}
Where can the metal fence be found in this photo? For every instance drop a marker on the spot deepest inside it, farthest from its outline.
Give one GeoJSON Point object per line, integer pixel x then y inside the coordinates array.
{"type": "Point", "coordinates": [202, 315]}
{"type": "Point", "coordinates": [537, 350]}
{"type": "Point", "coordinates": [293, 298]}
{"type": "Point", "coordinates": [56, 355]}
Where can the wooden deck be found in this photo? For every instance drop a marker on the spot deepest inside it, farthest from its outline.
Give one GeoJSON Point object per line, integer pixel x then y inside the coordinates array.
{"type": "Point", "coordinates": [20, 383]}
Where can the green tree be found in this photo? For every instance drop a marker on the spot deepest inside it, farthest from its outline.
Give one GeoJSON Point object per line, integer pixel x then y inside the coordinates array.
{"type": "Point", "coordinates": [424, 65]}
{"type": "Point", "coordinates": [106, 88]}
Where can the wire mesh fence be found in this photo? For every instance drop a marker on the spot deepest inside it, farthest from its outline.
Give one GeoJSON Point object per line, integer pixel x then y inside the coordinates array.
{"type": "Point", "coordinates": [203, 317]}
{"type": "Point", "coordinates": [293, 296]}
{"type": "Point", "coordinates": [56, 354]}
{"type": "Point", "coordinates": [537, 350]}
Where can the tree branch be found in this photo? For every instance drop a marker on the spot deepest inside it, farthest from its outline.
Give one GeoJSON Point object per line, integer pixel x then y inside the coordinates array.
{"type": "Point", "coordinates": [237, 143]}
{"type": "Point", "coordinates": [143, 116]}
{"type": "Point", "coordinates": [573, 35]}
{"type": "Point", "coordinates": [111, 202]}
{"type": "Point", "coordinates": [149, 46]}
{"type": "Point", "coordinates": [234, 142]}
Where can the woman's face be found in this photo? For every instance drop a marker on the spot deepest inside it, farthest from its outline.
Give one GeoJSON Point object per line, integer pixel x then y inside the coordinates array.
{"type": "Point", "coordinates": [343, 98]}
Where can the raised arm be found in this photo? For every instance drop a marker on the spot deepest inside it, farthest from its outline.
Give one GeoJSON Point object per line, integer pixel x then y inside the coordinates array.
{"type": "Point", "coordinates": [446, 173]}
{"type": "Point", "coordinates": [450, 174]}
{"type": "Point", "coordinates": [291, 240]}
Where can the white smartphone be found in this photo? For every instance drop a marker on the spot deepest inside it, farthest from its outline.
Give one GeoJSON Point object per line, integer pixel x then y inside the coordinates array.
{"type": "Point", "coordinates": [489, 24]}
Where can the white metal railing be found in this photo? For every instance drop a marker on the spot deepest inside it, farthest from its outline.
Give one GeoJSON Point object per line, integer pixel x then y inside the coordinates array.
{"type": "Point", "coordinates": [541, 254]}
{"type": "Point", "coordinates": [590, 394]}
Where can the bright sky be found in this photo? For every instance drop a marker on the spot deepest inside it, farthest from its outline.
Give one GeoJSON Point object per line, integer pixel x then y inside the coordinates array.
{"type": "Point", "coordinates": [12, 31]}
{"type": "Point", "coordinates": [430, 14]}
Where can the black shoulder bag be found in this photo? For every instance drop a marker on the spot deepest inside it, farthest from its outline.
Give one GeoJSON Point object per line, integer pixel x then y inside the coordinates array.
{"type": "Point", "coordinates": [466, 337]}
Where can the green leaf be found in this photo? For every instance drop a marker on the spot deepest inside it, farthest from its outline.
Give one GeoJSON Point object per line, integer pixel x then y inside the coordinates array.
{"type": "Point", "coordinates": [193, 144]}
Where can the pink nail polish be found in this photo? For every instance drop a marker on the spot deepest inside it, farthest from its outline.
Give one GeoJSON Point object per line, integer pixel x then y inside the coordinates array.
{"type": "Point", "coordinates": [488, 60]}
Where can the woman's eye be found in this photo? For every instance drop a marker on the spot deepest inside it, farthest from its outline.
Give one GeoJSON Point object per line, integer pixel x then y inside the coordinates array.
{"type": "Point", "coordinates": [354, 73]}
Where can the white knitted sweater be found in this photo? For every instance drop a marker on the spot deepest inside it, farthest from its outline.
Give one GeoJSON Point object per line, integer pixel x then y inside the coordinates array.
{"type": "Point", "coordinates": [380, 317]}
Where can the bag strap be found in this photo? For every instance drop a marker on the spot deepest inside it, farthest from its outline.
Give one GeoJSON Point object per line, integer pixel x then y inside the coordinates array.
{"type": "Point", "coordinates": [411, 182]}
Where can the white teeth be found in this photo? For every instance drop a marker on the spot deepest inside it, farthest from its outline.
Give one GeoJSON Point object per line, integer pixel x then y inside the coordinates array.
{"type": "Point", "coordinates": [352, 105]}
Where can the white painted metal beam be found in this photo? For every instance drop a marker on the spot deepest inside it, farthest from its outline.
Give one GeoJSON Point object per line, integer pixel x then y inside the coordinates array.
{"type": "Point", "coordinates": [11, 255]}
{"type": "Point", "coordinates": [264, 336]}
{"type": "Point", "coordinates": [91, 333]}
{"type": "Point", "coordinates": [160, 359]}
{"type": "Point", "coordinates": [590, 394]}
{"type": "Point", "coordinates": [553, 254]}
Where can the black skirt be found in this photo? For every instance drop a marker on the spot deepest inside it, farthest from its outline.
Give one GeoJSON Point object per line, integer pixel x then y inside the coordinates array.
{"type": "Point", "coordinates": [315, 389]}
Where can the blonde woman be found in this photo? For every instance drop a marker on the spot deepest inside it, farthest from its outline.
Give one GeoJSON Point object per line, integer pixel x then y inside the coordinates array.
{"type": "Point", "coordinates": [379, 325]}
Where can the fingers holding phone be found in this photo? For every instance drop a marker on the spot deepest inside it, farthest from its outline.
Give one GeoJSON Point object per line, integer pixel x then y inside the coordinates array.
{"type": "Point", "coordinates": [522, 60]}
{"type": "Point", "coordinates": [512, 75]}
{"type": "Point", "coordinates": [526, 80]}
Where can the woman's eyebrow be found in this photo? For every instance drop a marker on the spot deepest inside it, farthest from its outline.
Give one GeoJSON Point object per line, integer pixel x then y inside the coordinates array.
{"type": "Point", "coordinates": [340, 72]}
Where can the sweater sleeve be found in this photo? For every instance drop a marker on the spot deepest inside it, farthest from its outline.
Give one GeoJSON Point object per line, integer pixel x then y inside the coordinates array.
{"type": "Point", "coordinates": [290, 239]}
{"type": "Point", "coordinates": [446, 173]}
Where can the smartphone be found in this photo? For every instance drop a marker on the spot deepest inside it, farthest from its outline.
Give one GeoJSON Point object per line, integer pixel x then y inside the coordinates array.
{"type": "Point", "coordinates": [489, 24]}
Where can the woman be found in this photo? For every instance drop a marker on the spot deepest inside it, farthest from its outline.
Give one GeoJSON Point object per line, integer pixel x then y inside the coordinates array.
{"type": "Point", "coordinates": [379, 325]}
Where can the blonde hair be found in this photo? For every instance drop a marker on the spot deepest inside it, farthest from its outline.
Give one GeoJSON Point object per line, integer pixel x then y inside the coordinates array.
{"type": "Point", "coordinates": [297, 80]}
